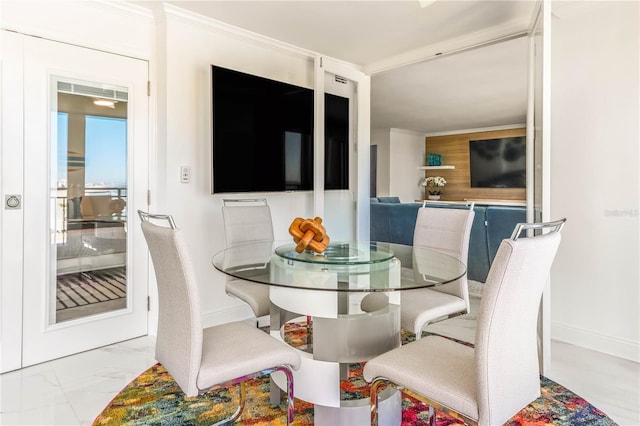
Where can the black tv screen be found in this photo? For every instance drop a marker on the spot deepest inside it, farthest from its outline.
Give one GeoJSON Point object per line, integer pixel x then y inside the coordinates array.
{"type": "Point", "coordinates": [498, 163]}
{"type": "Point", "coordinates": [262, 134]}
{"type": "Point", "coordinates": [336, 142]}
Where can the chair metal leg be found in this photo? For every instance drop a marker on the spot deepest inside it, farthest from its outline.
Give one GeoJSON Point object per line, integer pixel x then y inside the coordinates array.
{"type": "Point", "coordinates": [241, 381]}
{"type": "Point", "coordinates": [375, 384]}
{"type": "Point", "coordinates": [432, 416]}
{"type": "Point", "coordinates": [290, 395]}
{"type": "Point", "coordinates": [236, 415]}
{"type": "Point", "coordinates": [290, 391]}
{"type": "Point", "coordinates": [433, 405]}
{"type": "Point", "coordinates": [377, 381]}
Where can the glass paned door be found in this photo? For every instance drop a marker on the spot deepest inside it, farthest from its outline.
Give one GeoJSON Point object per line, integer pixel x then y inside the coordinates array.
{"type": "Point", "coordinates": [85, 168]}
{"type": "Point", "coordinates": [89, 180]}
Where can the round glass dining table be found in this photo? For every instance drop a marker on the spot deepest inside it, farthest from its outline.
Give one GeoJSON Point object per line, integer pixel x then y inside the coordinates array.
{"type": "Point", "coordinates": [328, 292]}
{"type": "Point", "coordinates": [260, 262]}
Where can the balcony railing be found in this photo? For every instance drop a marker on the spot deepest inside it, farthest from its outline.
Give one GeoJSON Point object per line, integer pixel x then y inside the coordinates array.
{"type": "Point", "coordinates": [67, 209]}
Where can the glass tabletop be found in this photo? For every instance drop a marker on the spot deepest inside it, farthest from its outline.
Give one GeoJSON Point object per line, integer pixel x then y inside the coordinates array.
{"type": "Point", "coordinates": [360, 266]}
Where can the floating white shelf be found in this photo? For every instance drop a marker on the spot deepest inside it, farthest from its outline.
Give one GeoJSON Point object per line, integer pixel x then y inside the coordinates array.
{"type": "Point", "coordinates": [436, 167]}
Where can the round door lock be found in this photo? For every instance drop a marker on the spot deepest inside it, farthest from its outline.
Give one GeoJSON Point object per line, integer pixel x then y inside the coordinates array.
{"type": "Point", "coordinates": [12, 201]}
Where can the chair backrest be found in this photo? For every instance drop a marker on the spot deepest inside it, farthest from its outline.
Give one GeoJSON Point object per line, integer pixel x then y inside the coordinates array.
{"type": "Point", "coordinates": [179, 339]}
{"type": "Point", "coordinates": [506, 337]}
{"type": "Point", "coordinates": [447, 231]}
{"type": "Point", "coordinates": [246, 221]}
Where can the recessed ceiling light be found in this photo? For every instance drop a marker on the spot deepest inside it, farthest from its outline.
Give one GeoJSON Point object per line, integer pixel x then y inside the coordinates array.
{"type": "Point", "coordinates": [104, 103]}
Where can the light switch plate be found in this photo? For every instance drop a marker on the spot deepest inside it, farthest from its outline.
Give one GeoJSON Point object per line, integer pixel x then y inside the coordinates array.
{"type": "Point", "coordinates": [185, 174]}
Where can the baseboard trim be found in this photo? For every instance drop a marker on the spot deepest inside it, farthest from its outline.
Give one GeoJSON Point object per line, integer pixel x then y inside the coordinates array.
{"type": "Point", "coordinates": [620, 348]}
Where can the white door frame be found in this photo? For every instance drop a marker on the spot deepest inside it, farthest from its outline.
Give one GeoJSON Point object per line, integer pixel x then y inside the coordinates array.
{"type": "Point", "coordinates": [11, 220]}
{"type": "Point", "coordinates": [322, 66]}
{"type": "Point", "coordinates": [539, 148]}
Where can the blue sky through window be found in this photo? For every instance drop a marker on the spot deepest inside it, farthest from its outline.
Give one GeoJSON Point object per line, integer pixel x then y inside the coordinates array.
{"type": "Point", "coordinates": [105, 150]}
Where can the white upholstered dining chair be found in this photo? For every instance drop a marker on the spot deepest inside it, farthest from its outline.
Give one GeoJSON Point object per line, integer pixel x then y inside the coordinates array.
{"type": "Point", "coordinates": [200, 359]}
{"type": "Point", "coordinates": [489, 383]}
{"type": "Point", "coordinates": [447, 231]}
{"type": "Point", "coordinates": [247, 221]}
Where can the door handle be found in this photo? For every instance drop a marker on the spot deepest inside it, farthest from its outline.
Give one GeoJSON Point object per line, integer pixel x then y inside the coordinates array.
{"type": "Point", "coordinates": [12, 202]}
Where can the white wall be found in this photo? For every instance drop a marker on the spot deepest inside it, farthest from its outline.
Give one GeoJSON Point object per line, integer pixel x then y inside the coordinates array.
{"type": "Point", "coordinates": [595, 290]}
{"type": "Point", "coordinates": [407, 153]}
{"type": "Point", "coordinates": [400, 152]}
{"type": "Point", "coordinates": [381, 138]}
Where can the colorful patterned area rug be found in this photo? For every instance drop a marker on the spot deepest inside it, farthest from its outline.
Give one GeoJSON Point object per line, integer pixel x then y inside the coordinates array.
{"type": "Point", "coordinates": [154, 398]}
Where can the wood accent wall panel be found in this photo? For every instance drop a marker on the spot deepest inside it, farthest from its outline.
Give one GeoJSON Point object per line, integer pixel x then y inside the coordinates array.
{"type": "Point", "coordinates": [454, 151]}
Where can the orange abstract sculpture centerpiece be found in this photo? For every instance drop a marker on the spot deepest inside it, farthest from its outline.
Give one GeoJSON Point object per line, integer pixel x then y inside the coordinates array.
{"type": "Point", "coordinates": [309, 234]}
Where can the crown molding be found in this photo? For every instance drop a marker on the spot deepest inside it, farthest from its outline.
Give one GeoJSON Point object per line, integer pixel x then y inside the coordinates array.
{"type": "Point", "coordinates": [181, 15]}
{"type": "Point", "coordinates": [508, 31]}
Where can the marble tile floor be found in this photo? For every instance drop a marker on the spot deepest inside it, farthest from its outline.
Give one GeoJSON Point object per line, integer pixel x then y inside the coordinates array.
{"type": "Point", "coordinates": [73, 390]}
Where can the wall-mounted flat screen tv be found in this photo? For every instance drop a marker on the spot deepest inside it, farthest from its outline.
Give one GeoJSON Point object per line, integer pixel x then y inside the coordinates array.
{"type": "Point", "coordinates": [262, 134]}
{"type": "Point", "coordinates": [498, 163]}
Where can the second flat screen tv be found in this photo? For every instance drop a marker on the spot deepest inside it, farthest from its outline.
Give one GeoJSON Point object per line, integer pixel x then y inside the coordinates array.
{"type": "Point", "coordinates": [262, 134]}
{"type": "Point", "coordinates": [498, 163]}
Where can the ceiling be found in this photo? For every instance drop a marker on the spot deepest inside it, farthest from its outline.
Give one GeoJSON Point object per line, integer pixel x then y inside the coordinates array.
{"type": "Point", "coordinates": [437, 68]}
{"type": "Point", "coordinates": [484, 87]}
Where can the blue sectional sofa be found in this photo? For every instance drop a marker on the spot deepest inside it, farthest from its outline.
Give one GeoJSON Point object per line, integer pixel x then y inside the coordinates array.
{"type": "Point", "coordinates": [394, 222]}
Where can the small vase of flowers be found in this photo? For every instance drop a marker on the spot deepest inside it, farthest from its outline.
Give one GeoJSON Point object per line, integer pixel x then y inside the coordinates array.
{"type": "Point", "coordinates": [434, 185]}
